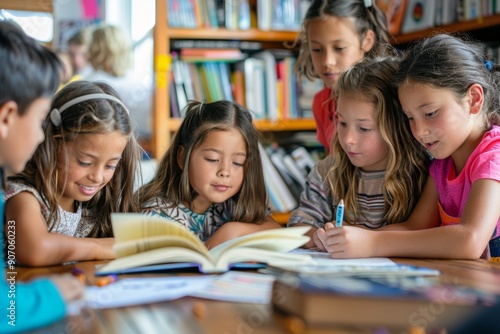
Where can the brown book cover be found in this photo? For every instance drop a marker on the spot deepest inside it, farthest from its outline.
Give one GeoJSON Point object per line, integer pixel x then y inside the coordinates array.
{"type": "Point", "coordinates": [394, 11]}
{"type": "Point", "coordinates": [390, 302]}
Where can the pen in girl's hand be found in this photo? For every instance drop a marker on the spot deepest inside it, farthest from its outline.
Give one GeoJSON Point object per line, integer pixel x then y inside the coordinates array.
{"type": "Point", "coordinates": [340, 214]}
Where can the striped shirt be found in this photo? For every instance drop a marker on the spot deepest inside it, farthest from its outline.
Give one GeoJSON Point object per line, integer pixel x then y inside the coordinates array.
{"type": "Point", "coordinates": [317, 204]}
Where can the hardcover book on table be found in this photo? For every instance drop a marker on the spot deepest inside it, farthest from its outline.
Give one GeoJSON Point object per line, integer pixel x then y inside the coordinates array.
{"type": "Point", "coordinates": [142, 241]}
{"type": "Point", "coordinates": [391, 302]}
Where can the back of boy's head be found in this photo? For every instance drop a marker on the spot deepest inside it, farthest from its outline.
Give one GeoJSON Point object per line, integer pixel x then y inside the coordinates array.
{"type": "Point", "coordinates": [172, 179]}
{"type": "Point", "coordinates": [365, 15]}
{"type": "Point", "coordinates": [29, 71]}
{"type": "Point", "coordinates": [453, 63]}
{"type": "Point", "coordinates": [110, 50]}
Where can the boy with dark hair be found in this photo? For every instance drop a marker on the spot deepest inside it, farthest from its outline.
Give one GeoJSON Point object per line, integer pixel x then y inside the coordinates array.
{"type": "Point", "coordinates": [29, 76]}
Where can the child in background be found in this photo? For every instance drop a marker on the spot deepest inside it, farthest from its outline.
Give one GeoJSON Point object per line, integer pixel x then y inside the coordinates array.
{"type": "Point", "coordinates": [450, 96]}
{"type": "Point", "coordinates": [377, 168]}
{"type": "Point", "coordinates": [335, 35]}
{"type": "Point", "coordinates": [110, 53]}
{"type": "Point", "coordinates": [67, 73]}
{"type": "Point", "coordinates": [29, 76]}
{"type": "Point", "coordinates": [210, 179]}
{"type": "Point", "coordinates": [78, 47]}
{"type": "Point", "coordinates": [80, 174]}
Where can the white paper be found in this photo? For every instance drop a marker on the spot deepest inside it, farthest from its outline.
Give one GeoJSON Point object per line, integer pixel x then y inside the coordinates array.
{"type": "Point", "coordinates": [239, 287]}
{"type": "Point", "coordinates": [232, 286]}
{"type": "Point", "coordinates": [136, 291]}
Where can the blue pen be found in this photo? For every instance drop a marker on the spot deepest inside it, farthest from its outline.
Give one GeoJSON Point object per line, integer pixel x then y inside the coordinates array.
{"type": "Point", "coordinates": [340, 214]}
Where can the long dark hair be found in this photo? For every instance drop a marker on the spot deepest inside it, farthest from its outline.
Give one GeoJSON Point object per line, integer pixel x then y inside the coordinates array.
{"type": "Point", "coordinates": [171, 182]}
{"type": "Point", "coordinates": [95, 116]}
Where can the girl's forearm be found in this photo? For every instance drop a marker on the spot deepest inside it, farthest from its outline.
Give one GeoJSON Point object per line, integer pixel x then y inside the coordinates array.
{"type": "Point", "coordinates": [55, 249]}
{"type": "Point", "coordinates": [450, 242]}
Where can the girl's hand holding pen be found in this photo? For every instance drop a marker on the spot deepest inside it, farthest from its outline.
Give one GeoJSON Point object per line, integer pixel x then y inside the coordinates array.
{"type": "Point", "coordinates": [320, 237]}
{"type": "Point", "coordinates": [347, 241]}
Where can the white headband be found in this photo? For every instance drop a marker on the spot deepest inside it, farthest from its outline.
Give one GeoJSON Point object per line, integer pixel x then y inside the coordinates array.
{"type": "Point", "coordinates": [55, 114]}
{"type": "Point", "coordinates": [368, 3]}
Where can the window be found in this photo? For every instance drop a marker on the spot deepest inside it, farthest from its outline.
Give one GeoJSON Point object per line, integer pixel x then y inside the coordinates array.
{"type": "Point", "coordinates": [39, 25]}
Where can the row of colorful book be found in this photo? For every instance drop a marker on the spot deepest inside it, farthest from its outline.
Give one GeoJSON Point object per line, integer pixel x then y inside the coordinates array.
{"type": "Point", "coordinates": [405, 16]}
{"type": "Point", "coordinates": [237, 14]}
{"type": "Point", "coordinates": [264, 82]}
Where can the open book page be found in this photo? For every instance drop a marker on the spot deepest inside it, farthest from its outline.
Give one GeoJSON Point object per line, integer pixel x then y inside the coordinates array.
{"type": "Point", "coordinates": [264, 246]}
{"type": "Point", "coordinates": [143, 240]}
{"type": "Point", "coordinates": [281, 239]}
{"type": "Point", "coordinates": [157, 256]}
{"type": "Point", "coordinates": [136, 233]}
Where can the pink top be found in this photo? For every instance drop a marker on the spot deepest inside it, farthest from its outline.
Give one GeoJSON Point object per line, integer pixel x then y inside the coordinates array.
{"type": "Point", "coordinates": [323, 108]}
{"type": "Point", "coordinates": [483, 163]}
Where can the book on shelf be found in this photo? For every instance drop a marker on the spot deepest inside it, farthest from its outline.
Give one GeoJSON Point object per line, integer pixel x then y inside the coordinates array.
{"type": "Point", "coordinates": [270, 82]}
{"type": "Point", "coordinates": [210, 55]}
{"type": "Point", "coordinates": [255, 91]}
{"type": "Point", "coordinates": [281, 14]}
{"type": "Point", "coordinates": [391, 302]}
{"type": "Point", "coordinates": [276, 154]}
{"type": "Point", "coordinates": [179, 44]}
{"type": "Point", "coordinates": [419, 15]}
{"type": "Point", "coordinates": [303, 159]}
{"type": "Point", "coordinates": [280, 196]}
{"type": "Point", "coordinates": [144, 242]}
{"type": "Point", "coordinates": [394, 12]}
{"type": "Point", "coordinates": [179, 85]}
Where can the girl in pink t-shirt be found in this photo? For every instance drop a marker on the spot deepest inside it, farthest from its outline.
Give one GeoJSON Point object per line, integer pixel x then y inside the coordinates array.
{"type": "Point", "coordinates": [335, 35]}
{"type": "Point", "coordinates": [450, 95]}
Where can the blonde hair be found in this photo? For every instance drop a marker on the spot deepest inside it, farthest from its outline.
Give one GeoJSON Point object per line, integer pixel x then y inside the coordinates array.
{"type": "Point", "coordinates": [110, 50]}
{"type": "Point", "coordinates": [408, 161]}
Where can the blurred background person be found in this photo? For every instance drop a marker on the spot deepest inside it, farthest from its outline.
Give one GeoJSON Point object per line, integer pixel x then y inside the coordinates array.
{"type": "Point", "coordinates": [78, 45]}
{"type": "Point", "coordinates": [110, 54]}
{"type": "Point", "coordinates": [67, 72]}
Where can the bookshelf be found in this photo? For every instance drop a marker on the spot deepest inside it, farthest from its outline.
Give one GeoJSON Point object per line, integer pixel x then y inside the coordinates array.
{"type": "Point", "coordinates": [483, 27]}
{"type": "Point", "coordinates": [29, 5]}
{"type": "Point", "coordinates": [164, 126]}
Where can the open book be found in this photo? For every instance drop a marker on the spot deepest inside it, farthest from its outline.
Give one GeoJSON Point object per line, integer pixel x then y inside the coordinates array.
{"type": "Point", "coordinates": [142, 240]}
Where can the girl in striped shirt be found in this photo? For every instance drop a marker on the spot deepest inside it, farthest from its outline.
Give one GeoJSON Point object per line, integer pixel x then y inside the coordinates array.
{"type": "Point", "coordinates": [378, 168]}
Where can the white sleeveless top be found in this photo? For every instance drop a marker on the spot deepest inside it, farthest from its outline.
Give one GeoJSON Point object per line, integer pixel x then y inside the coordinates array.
{"type": "Point", "coordinates": [70, 224]}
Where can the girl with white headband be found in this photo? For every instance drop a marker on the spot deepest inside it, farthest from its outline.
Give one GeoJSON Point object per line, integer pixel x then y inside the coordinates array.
{"type": "Point", "coordinates": [81, 173]}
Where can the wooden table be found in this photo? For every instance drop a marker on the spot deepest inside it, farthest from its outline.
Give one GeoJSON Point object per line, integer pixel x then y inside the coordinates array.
{"type": "Point", "coordinates": [191, 315]}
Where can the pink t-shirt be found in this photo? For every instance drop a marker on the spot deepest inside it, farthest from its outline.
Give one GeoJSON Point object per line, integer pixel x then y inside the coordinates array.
{"type": "Point", "coordinates": [323, 108]}
{"type": "Point", "coordinates": [483, 163]}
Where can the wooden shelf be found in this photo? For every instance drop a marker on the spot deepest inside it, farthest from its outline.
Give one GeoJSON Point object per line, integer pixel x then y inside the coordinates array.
{"type": "Point", "coordinates": [265, 125]}
{"type": "Point", "coordinates": [240, 35]}
{"type": "Point", "coordinates": [165, 126]}
{"type": "Point", "coordinates": [464, 26]}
